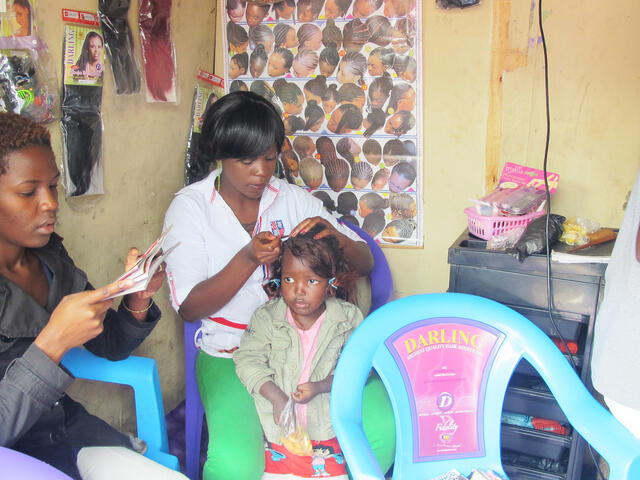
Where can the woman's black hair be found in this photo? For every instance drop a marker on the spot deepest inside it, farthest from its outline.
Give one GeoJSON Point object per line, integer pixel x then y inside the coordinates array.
{"type": "Point", "coordinates": [386, 55]}
{"type": "Point", "coordinates": [313, 113]}
{"type": "Point", "coordinates": [286, 55]}
{"type": "Point", "coordinates": [330, 56]}
{"type": "Point", "coordinates": [240, 125]}
{"type": "Point", "coordinates": [260, 35]}
{"type": "Point", "coordinates": [398, 90]}
{"type": "Point", "coordinates": [287, 92]}
{"type": "Point", "coordinates": [236, 85]}
{"type": "Point", "coordinates": [376, 118]}
{"type": "Point", "coordinates": [242, 60]}
{"type": "Point", "coordinates": [347, 203]}
{"type": "Point", "coordinates": [306, 32]}
{"type": "Point", "coordinates": [343, 6]}
{"type": "Point", "coordinates": [331, 35]}
{"type": "Point", "coordinates": [85, 56]}
{"type": "Point", "coordinates": [258, 60]}
{"type": "Point", "coordinates": [280, 32]}
{"type": "Point", "coordinates": [324, 257]}
{"type": "Point", "coordinates": [354, 35]}
{"type": "Point", "coordinates": [406, 170]}
{"type": "Point", "coordinates": [317, 86]}
{"type": "Point", "coordinates": [408, 121]}
{"type": "Point", "coordinates": [236, 35]}
{"type": "Point", "coordinates": [380, 30]}
{"type": "Point", "coordinates": [326, 200]}
{"type": "Point", "coordinates": [355, 64]}
{"type": "Point", "coordinates": [371, 147]}
{"type": "Point", "coordinates": [343, 147]}
{"type": "Point", "coordinates": [351, 118]}
{"type": "Point", "coordinates": [293, 123]}
{"type": "Point", "coordinates": [381, 84]}
{"type": "Point", "coordinates": [404, 64]}
{"type": "Point", "coordinates": [350, 92]}
{"type": "Point", "coordinates": [393, 152]}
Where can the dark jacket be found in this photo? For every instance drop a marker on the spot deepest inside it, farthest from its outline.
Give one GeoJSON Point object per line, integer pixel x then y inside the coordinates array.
{"type": "Point", "coordinates": [36, 417]}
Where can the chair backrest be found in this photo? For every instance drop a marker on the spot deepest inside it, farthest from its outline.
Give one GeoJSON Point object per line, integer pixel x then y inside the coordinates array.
{"type": "Point", "coordinates": [194, 410]}
{"type": "Point", "coordinates": [380, 276]}
{"type": "Point", "coordinates": [446, 360]}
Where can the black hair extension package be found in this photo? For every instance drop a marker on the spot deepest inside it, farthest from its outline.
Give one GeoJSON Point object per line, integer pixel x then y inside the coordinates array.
{"type": "Point", "coordinates": [81, 122]}
{"type": "Point", "coordinates": [118, 42]}
{"type": "Point", "coordinates": [209, 88]}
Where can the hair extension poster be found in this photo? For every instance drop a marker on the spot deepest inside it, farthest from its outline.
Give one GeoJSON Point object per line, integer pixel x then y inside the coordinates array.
{"type": "Point", "coordinates": [17, 18]}
{"type": "Point", "coordinates": [346, 76]}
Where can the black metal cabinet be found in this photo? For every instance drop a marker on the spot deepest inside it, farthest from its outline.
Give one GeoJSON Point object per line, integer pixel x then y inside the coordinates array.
{"type": "Point", "coordinates": [576, 291]}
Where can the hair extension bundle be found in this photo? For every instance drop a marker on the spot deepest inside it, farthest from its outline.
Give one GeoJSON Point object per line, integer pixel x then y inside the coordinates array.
{"type": "Point", "coordinates": [118, 41]}
{"type": "Point", "coordinates": [157, 50]}
{"type": "Point", "coordinates": [81, 120]}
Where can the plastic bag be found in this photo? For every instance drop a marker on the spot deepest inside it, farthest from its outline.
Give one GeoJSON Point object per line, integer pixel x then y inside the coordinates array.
{"type": "Point", "coordinates": [81, 120]}
{"type": "Point", "coordinates": [534, 238]}
{"type": "Point", "coordinates": [158, 55]}
{"type": "Point", "coordinates": [118, 42]}
{"type": "Point", "coordinates": [294, 436]}
{"type": "Point", "coordinates": [209, 88]}
{"type": "Point", "coordinates": [576, 231]}
{"type": "Point", "coordinates": [506, 240]}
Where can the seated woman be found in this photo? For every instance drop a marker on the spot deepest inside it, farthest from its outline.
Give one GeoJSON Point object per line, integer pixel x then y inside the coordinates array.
{"type": "Point", "coordinates": [230, 226]}
{"type": "Point", "coordinates": [49, 307]}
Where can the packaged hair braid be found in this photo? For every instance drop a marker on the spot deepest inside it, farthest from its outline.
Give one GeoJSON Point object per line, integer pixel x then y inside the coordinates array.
{"type": "Point", "coordinates": [28, 84]}
{"type": "Point", "coordinates": [209, 88]}
{"type": "Point", "coordinates": [83, 71]}
{"type": "Point", "coordinates": [158, 56]}
{"type": "Point", "coordinates": [118, 42]}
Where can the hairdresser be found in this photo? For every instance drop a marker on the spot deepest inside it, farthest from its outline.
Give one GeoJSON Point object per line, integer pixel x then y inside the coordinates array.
{"type": "Point", "coordinates": [47, 307]}
{"type": "Point", "coordinates": [229, 226]}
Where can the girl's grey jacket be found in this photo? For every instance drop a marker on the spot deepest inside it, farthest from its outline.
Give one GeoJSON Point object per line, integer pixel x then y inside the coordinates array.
{"type": "Point", "coordinates": [270, 350]}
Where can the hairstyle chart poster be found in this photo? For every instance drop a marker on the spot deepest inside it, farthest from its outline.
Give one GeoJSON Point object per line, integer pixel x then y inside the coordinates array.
{"type": "Point", "coordinates": [345, 74]}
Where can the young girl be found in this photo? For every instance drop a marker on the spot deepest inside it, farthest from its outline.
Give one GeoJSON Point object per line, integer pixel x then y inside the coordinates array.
{"type": "Point", "coordinates": [291, 348]}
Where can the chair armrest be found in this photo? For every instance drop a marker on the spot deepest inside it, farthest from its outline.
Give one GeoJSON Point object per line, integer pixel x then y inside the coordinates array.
{"type": "Point", "coordinates": [141, 374]}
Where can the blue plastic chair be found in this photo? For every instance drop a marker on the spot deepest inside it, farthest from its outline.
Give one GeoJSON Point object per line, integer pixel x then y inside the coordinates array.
{"type": "Point", "coordinates": [380, 276]}
{"type": "Point", "coordinates": [142, 375]}
{"type": "Point", "coordinates": [18, 466]}
{"type": "Point", "coordinates": [448, 413]}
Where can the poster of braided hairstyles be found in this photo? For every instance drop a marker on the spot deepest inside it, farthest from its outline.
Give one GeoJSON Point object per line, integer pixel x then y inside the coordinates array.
{"type": "Point", "coordinates": [346, 76]}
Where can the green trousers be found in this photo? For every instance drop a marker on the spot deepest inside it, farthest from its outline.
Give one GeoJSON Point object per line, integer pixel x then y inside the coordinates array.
{"type": "Point", "coordinates": [236, 444]}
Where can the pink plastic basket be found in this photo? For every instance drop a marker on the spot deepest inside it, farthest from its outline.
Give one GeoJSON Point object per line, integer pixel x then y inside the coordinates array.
{"type": "Point", "coordinates": [487, 227]}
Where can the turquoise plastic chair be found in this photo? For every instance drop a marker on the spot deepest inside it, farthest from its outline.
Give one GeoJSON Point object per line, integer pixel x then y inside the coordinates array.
{"type": "Point", "coordinates": [141, 374]}
{"type": "Point", "coordinates": [446, 360]}
{"type": "Point", "coordinates": [18, 466]}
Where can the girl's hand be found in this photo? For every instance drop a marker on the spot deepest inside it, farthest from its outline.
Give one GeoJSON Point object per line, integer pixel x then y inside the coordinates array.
{"type": "Point", "coordinates": [264, 248]}
{"type": "Point", "coordinates": [278, 407]}
{"type": "Point", "coordinates": [308, 223]}
{"type": "Point", "coordinates": [76, 320]}
{"type": "Point", "coordinates": [305, 392]}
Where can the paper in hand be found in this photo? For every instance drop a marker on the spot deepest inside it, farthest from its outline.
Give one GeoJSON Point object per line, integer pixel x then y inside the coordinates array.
{"type": "Point", "coordinates": [143, 270]}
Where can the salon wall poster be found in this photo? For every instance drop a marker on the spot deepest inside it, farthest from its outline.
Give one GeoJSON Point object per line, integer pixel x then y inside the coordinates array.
{"type": "Point", "coordinates": [445, 364]}
{"type": "Point", "coordinates": [346, 77]}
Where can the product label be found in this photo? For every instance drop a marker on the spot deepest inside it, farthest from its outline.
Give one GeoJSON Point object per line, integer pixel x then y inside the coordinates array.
{"type": "Point", "coordinates": [83, 55]}
{"type": "Point", "coordinates": [444, 363]}
{"type": "Point", "coordinates": [514, 175]}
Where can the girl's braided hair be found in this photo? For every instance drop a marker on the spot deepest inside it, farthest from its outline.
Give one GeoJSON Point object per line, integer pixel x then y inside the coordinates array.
{"type": "Point", "coordinates": [325, 258]}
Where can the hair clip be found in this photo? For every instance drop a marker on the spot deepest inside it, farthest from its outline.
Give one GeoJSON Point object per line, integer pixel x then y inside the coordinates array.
{"type": "Point", "coordinates": [332, 283]}
{"type": "Point", "coordinates": [275, 281]}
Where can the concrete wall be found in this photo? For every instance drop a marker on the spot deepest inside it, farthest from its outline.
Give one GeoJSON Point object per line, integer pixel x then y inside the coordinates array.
{"type": "Point", "coordinates": [594, 146]}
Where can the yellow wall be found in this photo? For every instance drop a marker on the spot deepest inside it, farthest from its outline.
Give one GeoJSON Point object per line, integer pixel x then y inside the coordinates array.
{"type": "Point", "coordinates": [595, 146]}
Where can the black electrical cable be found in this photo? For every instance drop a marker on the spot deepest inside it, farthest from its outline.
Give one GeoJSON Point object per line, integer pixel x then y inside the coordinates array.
{"type": "Point", "coordinates": [550, 306]}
